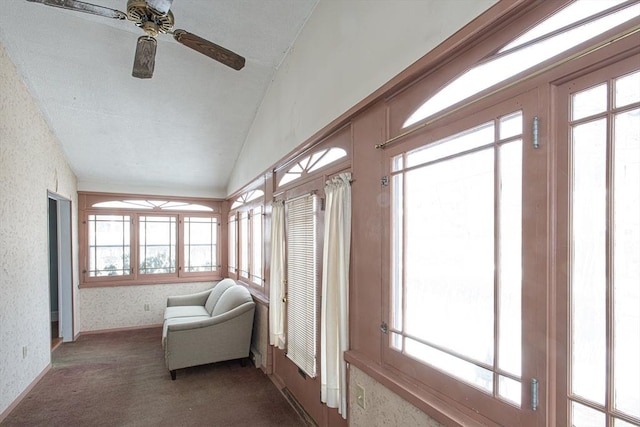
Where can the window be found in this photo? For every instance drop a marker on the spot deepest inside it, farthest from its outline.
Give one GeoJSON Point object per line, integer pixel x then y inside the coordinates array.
{"type": "Point", "coordinates": [559, 33]}
{"type": "Point", "coordinates": [128, 240]}
{"type": "Point", "coordinates": [602, 334]}
{"type": "Point", "coordinates": [257, 240]}
{"type": "Point", "coordinates": [457, 213]}
{"type": "Point", "coordinates": [200, 244]}
{"type": "Point", "coordinates": [233, 245]}
{"type": "Point", "coordinates": [109, 245]}
{"type": "Point", "coordinates": [511, 252]}
{"type": "Point", "coordinates": [246, 239]}
{"type": "Point", "coordinates": [245, 242]}
{"type": "Point", "coordinates": [302, 281]}
{"type": "Point", "coordinates": [158, 239]}
{"type": "Point", "coordinates": [312, 163]}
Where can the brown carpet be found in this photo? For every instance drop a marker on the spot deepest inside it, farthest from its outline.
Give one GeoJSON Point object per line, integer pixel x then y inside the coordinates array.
{"type": "Point", "coordinates": [119, 379]}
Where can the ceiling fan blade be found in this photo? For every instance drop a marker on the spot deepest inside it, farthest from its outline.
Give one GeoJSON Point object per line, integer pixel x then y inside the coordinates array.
{"type": "Point", "coordinates": [212, 50]}
{"type": "Point", "coordinates": [160, 6]}
{"type": "Point", "coordinates": [145, 59]}
{"type": "Point", "coordinates": [81, 6]}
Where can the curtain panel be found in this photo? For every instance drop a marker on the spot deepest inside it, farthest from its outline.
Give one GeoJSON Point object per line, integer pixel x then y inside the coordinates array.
{"type": "Point", "coordinates": [335, 291]}
{"type": "Point", "coordinates": [276, 279]}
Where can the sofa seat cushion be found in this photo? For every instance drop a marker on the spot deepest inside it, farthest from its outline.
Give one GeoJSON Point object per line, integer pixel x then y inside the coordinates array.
{"type": "Point", "coordinates": [179, 320]}
{"type": "Point", "coordinates": [185, 311]}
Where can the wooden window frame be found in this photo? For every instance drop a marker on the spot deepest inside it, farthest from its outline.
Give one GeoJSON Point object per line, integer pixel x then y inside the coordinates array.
{"type": "Point", "coordinates": [500, 410]}
{"type": "Point", "coordinates": [491, 30]}
{"type": "Point", "coordinates": [256, 282]}
{"type": "Point", "coordinates": [86, 202]}
{"type": "Point", "coordinates": [563, 195]}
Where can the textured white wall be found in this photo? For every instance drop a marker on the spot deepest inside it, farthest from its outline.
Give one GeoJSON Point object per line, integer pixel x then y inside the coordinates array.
{"type": "Point", "coordinates": [346, 51]}
{"type": "Point", "coordinates": [123, 306]}
{"type": "Point", "coordinates": [31, 163]}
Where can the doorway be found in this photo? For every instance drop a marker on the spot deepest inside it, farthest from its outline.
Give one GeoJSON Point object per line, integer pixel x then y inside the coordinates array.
{"type": "Point", "coordinates": [60, 270]}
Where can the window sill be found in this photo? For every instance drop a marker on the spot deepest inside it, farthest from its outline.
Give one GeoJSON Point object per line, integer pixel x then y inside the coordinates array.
{"type": "Point", "coordinates": [164, 281]}
{"type": "Point", "coordinates": [432, 403]}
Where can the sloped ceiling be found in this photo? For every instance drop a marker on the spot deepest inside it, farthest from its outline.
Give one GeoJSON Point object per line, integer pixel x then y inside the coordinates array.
{"type": "Point", "coordinates": [179, 132]}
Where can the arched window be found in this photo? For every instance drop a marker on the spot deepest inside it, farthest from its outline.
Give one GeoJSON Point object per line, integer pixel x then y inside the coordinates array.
{"type": "Point", "coordinates": [312, 163]}
{"type": "Point", "coordinates": [246, 198]}
{"type": "Point", "coordinates": [576, 23]}
{"type": "Point", "coordinates": [153, 204]}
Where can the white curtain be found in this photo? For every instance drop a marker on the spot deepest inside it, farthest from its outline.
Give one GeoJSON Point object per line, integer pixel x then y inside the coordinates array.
{"type": "Point", "coordinates": [335, 292]}
{"type": "Point", "coordinates": [277, 277]}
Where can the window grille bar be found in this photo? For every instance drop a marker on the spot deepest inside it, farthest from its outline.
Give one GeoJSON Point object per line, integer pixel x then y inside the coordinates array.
{"type": "Point", "coordinates": [461, 356]}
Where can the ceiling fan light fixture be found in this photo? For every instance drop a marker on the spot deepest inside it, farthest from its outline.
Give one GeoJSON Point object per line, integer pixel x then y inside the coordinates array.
{"type": "Point", "coordinates": [143, 15]}
{"type": "Point", "coordinates": [145, 59]}
{"type": "Point", "coordinates": [153, 17]}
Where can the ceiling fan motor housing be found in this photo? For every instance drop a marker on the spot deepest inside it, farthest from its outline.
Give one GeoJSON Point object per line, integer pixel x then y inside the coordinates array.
{"type": "Point", "coordinates": [148, 19]}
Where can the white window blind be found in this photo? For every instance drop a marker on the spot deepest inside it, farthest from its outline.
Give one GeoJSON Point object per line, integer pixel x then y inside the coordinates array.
{"type": "Point", "coordinates": [302, 282]}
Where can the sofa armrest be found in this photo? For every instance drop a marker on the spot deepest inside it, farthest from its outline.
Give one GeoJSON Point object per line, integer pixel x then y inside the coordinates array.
{"type": "Point", "coordinates": [199, 298]}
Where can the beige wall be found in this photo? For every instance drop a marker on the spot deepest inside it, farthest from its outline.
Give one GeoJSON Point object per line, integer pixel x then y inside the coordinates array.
{"type": "Point", "coordinates": [123, 306]}
{"type": "Point", "coordinates": [381, 406]}
{"type": "Point", "coordinates": [346, 51]}
{"type": "Point", "coordinates": [31, 163]}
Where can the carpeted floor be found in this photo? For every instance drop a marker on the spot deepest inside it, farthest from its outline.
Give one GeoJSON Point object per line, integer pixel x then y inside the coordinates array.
{"type": "Point", "coordinates": [119, 379]}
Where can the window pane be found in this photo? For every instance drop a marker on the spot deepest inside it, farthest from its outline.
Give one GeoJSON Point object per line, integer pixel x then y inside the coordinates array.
{"type": "Point", "coordinates": [157, 244]}
{"type": "Point", "coordinates": [331, 156]}
{"type": "Point", "coordinates": [627, 89]}
{"type": "Point", "coordinates": [244, 244]}
{"type": "Point", "coordinates": [233, 238]}
{"type": "Point", "coordinates": [509, 389]}
{"type": "Point", "coordinates": [620, 423]}
{"type": "Point", "coordinates": [496, 70]}
{"type": "Point", "coordinates": [583, 416]}
{"type": "Point", "coordinates": [573, 13]}
{"type": "Point", "coordinates": [510, 258]}
{"type": "Point", "coordinates": [588, 268]}
{"type": "Point", "coordinates": [200, 244]}
{"type": "Point", "coordinates": [397, 250]}
{"type": "Point", "coordinates": [626, 268]}
{"type": "Point", "coordinates": [256, 246]}
{"type": "Point", "coordinates": [467, 140]}
{"type": "Point", "coordinates": [455, 366]}
{"type": "Point", "coordinates": [589, 102]}
{"type": "Point", "coordinates": [109, 245]}
{"type": "Point", "coordinates": [511, 125]}
{"type": "Point", "coordinates": [397, 163]}
{"type": "Point", "coordinates": [450, 206]}
{"type": "Point", "coordinates": [396, 341]}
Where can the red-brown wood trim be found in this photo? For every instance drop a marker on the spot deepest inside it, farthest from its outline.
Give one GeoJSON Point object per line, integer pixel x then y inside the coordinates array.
{"type": "Point", "coordinates": [127, 328]}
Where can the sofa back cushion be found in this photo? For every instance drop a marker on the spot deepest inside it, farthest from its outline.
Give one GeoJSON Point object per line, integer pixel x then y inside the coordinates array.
{"type": "Point", "coordinates": [216, 292]}
{"type": "Point", "coordinates": [232, 298]}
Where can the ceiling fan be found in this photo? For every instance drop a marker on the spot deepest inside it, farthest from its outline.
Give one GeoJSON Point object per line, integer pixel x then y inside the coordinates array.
{"type": "Point", "coordinates": [154, 17]}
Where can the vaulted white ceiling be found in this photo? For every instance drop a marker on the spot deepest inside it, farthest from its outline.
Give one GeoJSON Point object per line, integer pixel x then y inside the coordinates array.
{"type": "Point", "coordinates": [183, 129]}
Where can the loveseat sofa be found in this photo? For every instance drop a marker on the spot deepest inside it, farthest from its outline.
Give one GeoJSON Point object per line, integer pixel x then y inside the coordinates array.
{"type": "Point", "coordinates": [208, 327]}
